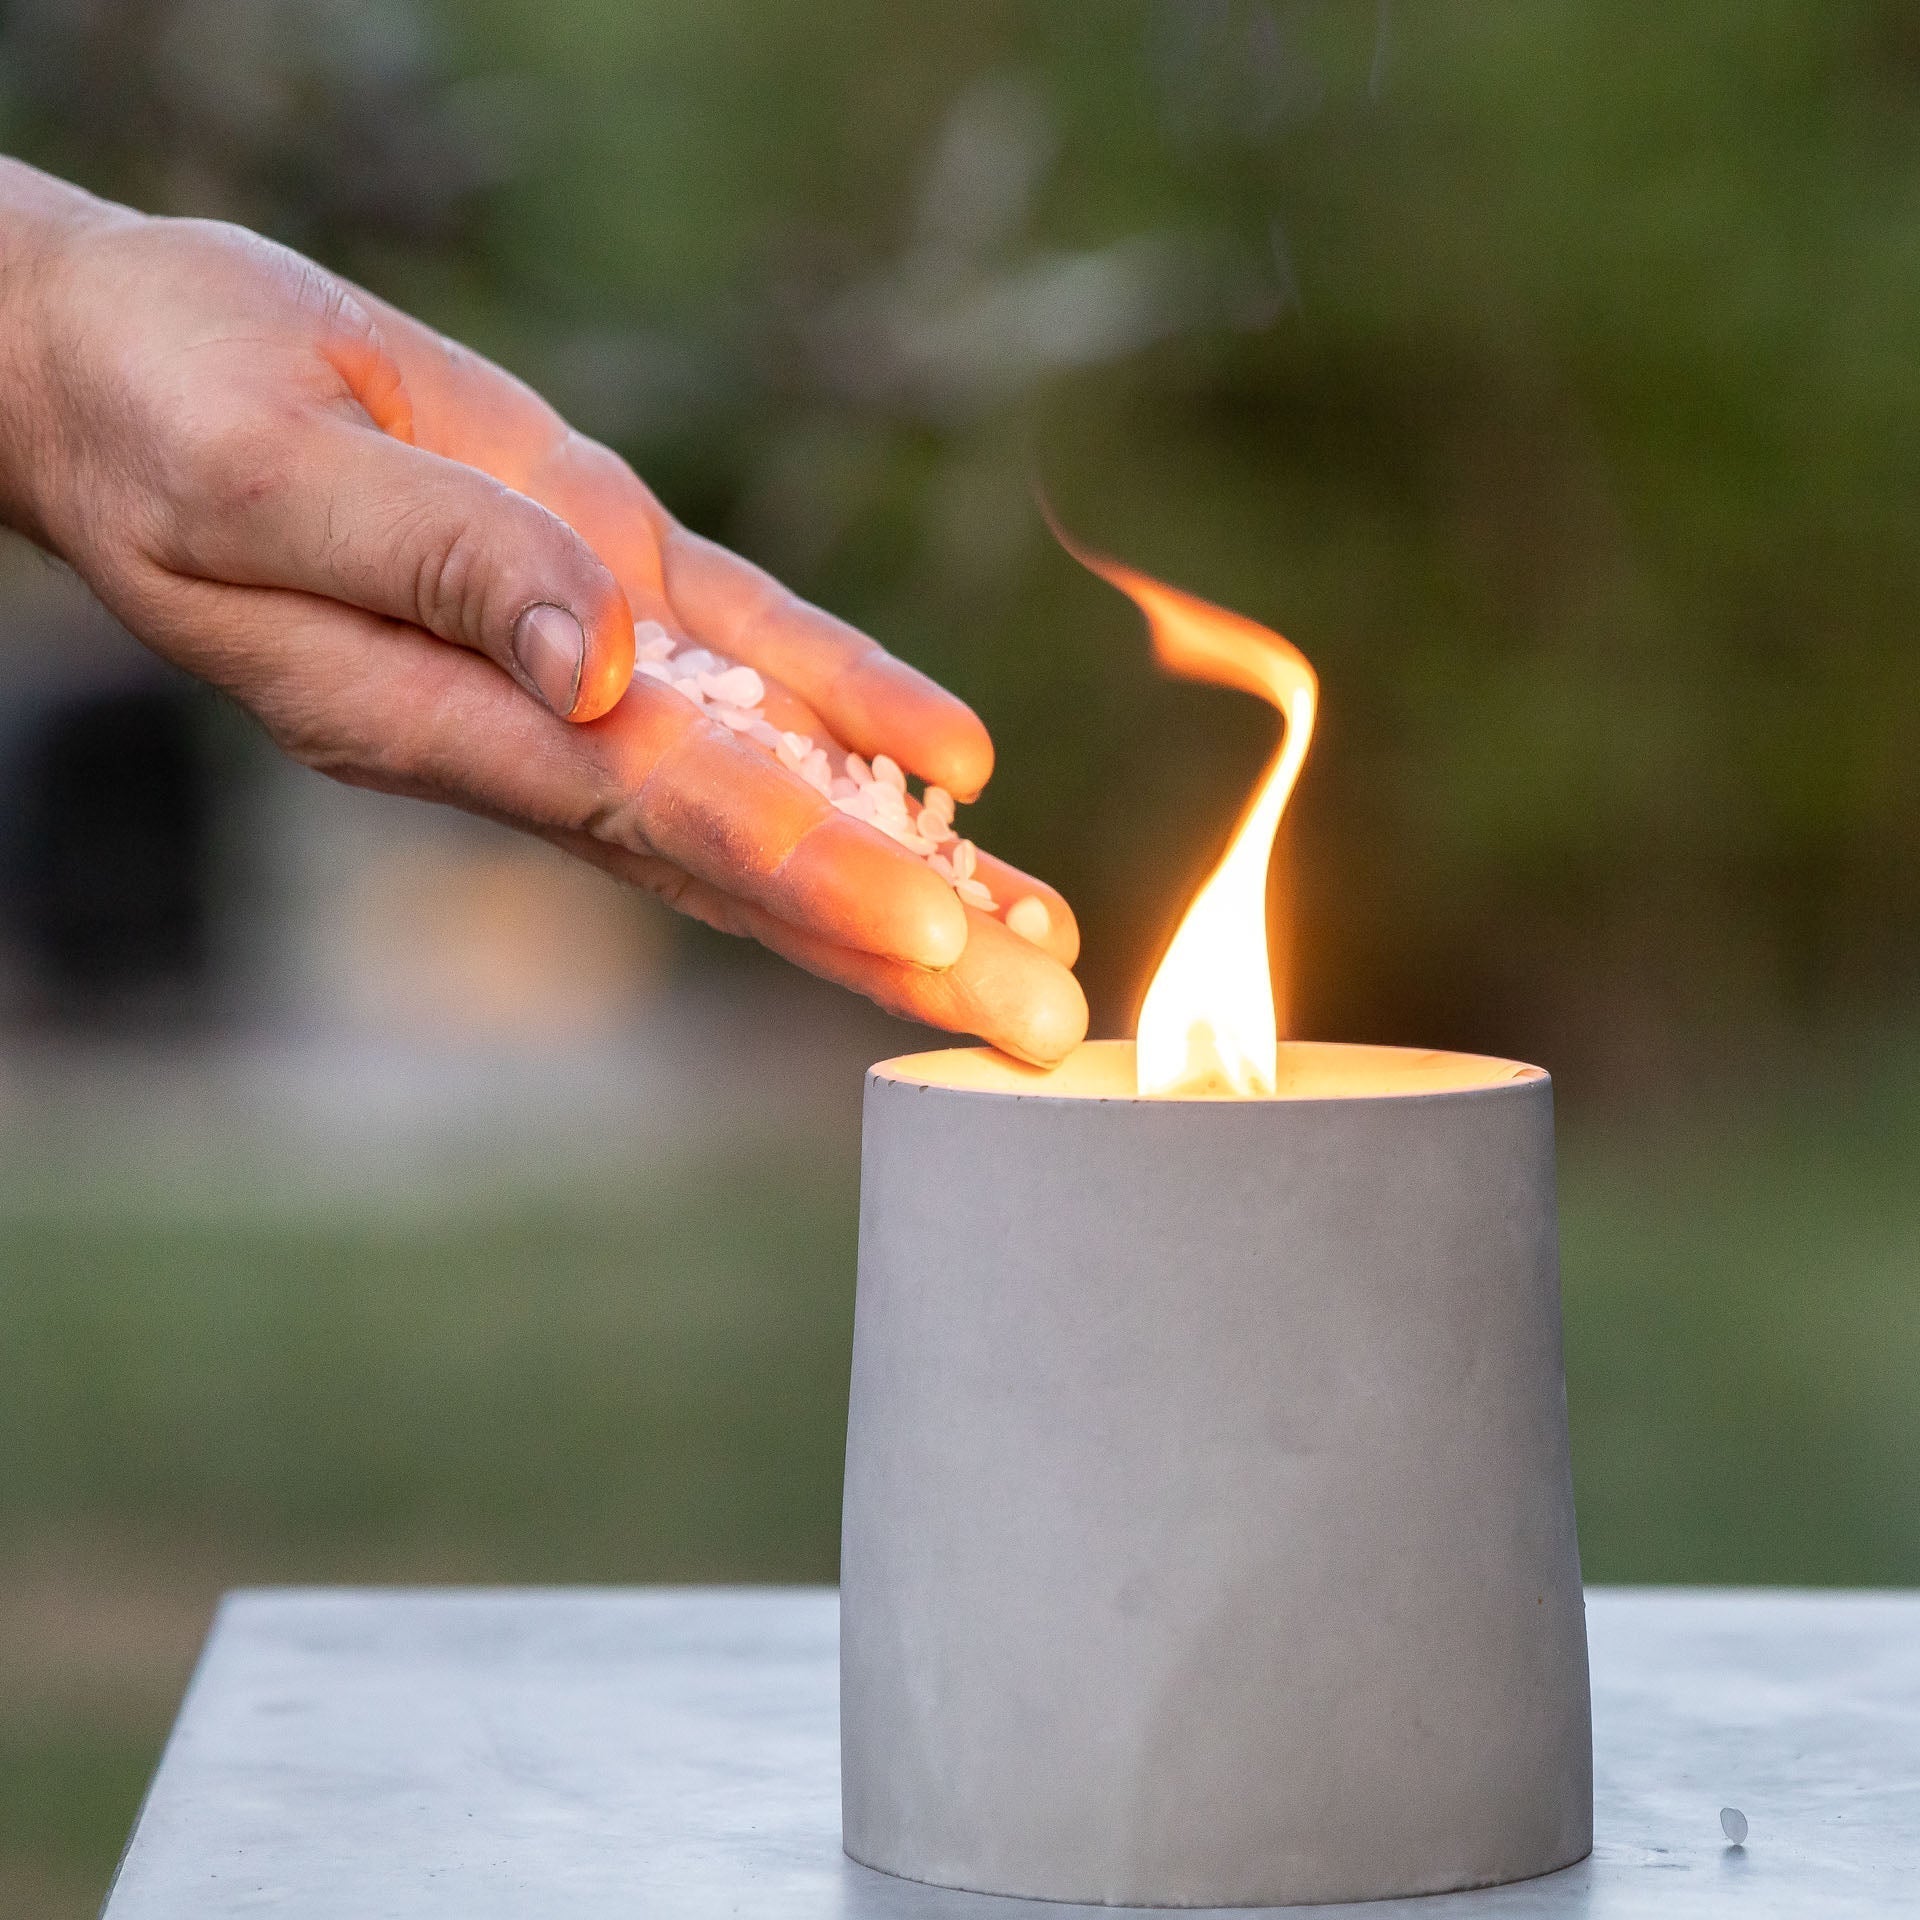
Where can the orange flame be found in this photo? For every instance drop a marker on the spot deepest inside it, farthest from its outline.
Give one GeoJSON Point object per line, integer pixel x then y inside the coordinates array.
{"type": "Point", "coordinates": [1207, 1025]}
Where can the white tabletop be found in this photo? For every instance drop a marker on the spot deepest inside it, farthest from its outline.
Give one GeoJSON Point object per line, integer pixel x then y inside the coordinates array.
{"type": "Point", "coordinates": [348, 1755]}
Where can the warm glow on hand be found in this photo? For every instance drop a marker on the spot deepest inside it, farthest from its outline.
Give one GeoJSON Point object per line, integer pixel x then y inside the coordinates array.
{"type": "Point", "coordinates": [368, 536]}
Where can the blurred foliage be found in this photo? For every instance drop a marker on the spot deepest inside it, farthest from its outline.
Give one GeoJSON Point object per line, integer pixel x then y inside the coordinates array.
{"type": "Point", "coordinates": [1551, 373]}
{"type": "Point", "coordinates": [544, 1384]}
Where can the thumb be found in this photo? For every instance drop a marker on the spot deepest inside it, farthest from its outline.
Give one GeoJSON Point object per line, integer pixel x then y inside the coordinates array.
{"type": "Point", "coordinates": [354, 515]}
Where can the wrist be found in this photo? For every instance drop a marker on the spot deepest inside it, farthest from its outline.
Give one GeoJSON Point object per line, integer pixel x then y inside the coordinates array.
{"type": "Point", "coordinates": [41, 220]}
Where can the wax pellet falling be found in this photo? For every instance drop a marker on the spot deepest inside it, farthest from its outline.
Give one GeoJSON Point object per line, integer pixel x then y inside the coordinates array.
{"type": "Point", "coordinates": [875, 791]}
{"type": "Point", "coordinates": [1733, 1823]}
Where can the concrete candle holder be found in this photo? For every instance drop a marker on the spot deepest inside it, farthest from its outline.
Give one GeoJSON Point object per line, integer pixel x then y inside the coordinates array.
{"type": "Point", "coordinates": [1209, 1532]}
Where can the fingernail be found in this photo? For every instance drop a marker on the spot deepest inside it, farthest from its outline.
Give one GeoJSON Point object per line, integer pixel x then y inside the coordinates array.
{"type": "Point", "coordinates": [549, 648]}
{"type": "Point", "coordinates": [939, 939]}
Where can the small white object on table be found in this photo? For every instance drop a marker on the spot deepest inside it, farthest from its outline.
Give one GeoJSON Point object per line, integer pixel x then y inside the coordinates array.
{"type": "Point", "coordinates": [672, 1752]}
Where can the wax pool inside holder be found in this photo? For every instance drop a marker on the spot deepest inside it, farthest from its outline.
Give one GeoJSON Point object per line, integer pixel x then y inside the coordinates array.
{"type": "Point", "coordinates": [1308, 1070]}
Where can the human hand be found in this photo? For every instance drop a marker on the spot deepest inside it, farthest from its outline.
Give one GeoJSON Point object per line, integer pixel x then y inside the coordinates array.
{"type": "Point", "coordinates": [367, 535]}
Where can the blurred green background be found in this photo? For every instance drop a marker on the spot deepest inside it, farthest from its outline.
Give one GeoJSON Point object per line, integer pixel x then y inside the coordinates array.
{"type": "Point", "coordinates": [1550, 372]}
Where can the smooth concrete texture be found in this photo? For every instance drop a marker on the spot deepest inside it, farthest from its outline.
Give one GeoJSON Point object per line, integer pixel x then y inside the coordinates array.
{"type": "Point", "coordinates": [1209, 1532]}
{"type": "Point", "coordinates": [670, 1755]}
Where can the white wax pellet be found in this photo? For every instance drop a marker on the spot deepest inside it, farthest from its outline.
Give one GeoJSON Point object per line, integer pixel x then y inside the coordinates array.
{"type": "Point", "coordinates": [738, 686]}
{"type": "Point", "coordinates": [1733, 1823]}
{"type": "Point", "coordinates": [1029, 918]}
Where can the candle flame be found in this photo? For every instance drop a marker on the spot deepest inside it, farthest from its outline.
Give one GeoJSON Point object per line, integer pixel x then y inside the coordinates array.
{"type": "Point", "coordinates": [1207, 1025]}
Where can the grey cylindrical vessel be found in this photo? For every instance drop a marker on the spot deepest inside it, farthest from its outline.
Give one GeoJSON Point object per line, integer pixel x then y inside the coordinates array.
{"type": "Point", "coordinates": [1209, 1532]}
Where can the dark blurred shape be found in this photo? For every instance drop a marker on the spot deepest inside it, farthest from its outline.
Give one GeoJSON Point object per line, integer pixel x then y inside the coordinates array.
{"type": "Point", "coordinates": [109, 881]}
{"type": "Point", "coordinates": [328, 123]}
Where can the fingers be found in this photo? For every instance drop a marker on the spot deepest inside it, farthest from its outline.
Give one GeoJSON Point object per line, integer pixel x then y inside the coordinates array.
{"type": "Point", "coordinates": [686, 788]}
{"type": "Point", "coordinates": [472, 411]}
{"type": "Point", "coordinates": [461, 405]}
{"type": "Point", "coordinates": [873, 702]}
{"type": "Point", "coordinates": [347, 512]}
{"type": "Point", "coordinates": [1031, 908]}
{"type": "Point", "coordinates": [1060, 936]}
{"type": "Point", "coordinates": [383, 705]}
{"type": "Point", "coordinates": [1002, 988]}
{"type": "Point", "coordinates": [654, 791]}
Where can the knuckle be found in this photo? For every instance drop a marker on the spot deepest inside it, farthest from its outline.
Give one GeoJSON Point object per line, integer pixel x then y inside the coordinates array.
{"type": "Point", "coordinates": [222, 472]}
{"type": "Point", "coordinates": [308, 738]}
{"type": "Point", "coordinates": [473, 571]}
{"type": "Point", "coordinates": [388, 763]}
{"type": "Point", "coordinates": [397, 752]}
{"type": "Point", "coordinates": [446, 571]}
{"type": "Point", "coordinates": [600, 467]}
{"type": "Point", "coordinates": [673, 886]}
{"type": "Point", "coordinates": [618, 822]}
{"type": "Point", "coordinates": [694, 800]}
{"type": "Point", "coordinates": [767, 610]}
